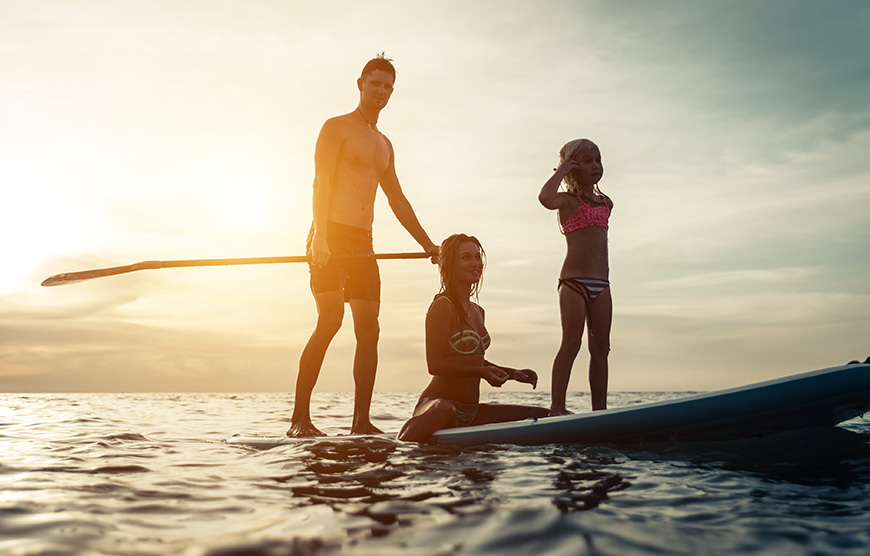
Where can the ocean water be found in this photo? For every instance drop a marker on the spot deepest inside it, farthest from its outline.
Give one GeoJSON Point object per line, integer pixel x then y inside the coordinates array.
{"type": "Point", "coordinates": [140, 474]}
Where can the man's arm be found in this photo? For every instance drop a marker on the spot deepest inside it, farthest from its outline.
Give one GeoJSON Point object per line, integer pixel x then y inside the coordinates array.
{"type": "Point", "coordinates": [402, 208]}
{"type": "Point", "coordinates": [326, 153]}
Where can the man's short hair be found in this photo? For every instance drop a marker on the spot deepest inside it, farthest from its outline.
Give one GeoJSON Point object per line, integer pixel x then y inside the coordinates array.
{"type": "Point", "coordinates": [379, 62]}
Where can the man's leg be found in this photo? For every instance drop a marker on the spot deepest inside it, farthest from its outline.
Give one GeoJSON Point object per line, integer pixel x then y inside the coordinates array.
{"type": "Point", "coordinates": [330, 311]}
{"type": "Point", "coordinates": [365, 362]}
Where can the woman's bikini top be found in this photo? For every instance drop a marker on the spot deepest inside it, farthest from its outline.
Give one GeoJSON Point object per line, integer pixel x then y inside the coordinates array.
{"type": "Point", "coordinates": [467, 342]}
{"type": "Point", "coordinates": [587, 216]}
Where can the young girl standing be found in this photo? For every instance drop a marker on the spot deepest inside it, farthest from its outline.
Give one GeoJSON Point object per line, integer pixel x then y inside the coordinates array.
{"type": "Point", "coordinates": [584, 287]}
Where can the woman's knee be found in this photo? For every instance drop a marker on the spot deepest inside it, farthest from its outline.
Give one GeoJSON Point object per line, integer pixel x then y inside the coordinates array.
{"type": "Point", "coordinates": [439, 414]}
{"type": "Point", "coordinates": [442, 414]}
{"type": "Point", "coordinates": [443, 410]}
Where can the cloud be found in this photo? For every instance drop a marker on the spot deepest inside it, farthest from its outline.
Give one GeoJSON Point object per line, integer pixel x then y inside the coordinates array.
{"type": "Point", "coordinates": [741, 277]}
{"type": "Point", "coordinates": [734, 137]}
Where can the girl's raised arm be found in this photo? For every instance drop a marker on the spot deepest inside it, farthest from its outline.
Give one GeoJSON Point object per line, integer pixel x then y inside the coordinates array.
{"type": "Point", "coordinates": [549, 195]}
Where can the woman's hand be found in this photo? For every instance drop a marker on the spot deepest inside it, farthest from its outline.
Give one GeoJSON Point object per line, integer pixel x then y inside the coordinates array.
{"type": "Point", "coordinates": [527, 376]}
{"type": "Point", "coordinates": [495, 376]}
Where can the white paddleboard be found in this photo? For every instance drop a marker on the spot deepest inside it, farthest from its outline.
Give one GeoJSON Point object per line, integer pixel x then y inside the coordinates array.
{"type": "Point", "coordinates": [265, 442]}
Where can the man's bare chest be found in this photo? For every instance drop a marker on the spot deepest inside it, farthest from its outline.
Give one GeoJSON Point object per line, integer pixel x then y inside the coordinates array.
{"type": "Point", "coordinates": [365, 153]}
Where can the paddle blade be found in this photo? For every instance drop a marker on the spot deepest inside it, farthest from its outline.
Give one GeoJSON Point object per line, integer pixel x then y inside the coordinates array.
{"type": "Point", "coordinates": [82, 275]}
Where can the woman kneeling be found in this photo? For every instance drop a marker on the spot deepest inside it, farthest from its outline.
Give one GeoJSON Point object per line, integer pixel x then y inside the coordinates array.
{"type": "Point", "coordinates": [456, 339]}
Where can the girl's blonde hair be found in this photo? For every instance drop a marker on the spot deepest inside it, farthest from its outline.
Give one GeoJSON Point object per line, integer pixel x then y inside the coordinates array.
{"type": "Point", "coordinates": [570, 150]}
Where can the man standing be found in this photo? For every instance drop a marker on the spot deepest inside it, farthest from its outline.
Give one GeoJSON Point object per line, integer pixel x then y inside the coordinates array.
{"type": "Point", "coordinates": [351, 159]}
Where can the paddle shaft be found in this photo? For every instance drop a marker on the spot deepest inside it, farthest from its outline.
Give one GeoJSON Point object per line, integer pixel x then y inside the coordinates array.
{"type": "Point", "coordinates": [79, 276]}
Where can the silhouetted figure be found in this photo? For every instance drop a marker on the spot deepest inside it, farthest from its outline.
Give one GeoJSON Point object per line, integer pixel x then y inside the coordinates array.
{"type": "Point", "coordinates": [351, 159]}
{"type": "Point", "coordinates": [584, 282]}
{"type": "Point", "coordinates": [456, 339]}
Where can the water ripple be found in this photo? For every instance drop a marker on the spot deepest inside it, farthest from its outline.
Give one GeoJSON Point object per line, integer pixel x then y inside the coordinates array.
{"type": "Point", "coordinates": [150, 474]}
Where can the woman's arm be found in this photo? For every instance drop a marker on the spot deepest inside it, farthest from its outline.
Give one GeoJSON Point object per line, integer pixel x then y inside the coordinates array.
{"type": "Point", "coordinates": [520, 375]}
{"type": "Point", "coordinates": [439, 319]}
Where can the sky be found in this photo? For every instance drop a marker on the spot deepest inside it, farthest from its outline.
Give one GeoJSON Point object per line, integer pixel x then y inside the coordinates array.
{"type": "Point", "coordinates": [734, 136]}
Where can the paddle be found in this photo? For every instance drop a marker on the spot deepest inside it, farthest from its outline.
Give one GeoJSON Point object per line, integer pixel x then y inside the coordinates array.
{"type": "Point", "coordinates": [79, 276]}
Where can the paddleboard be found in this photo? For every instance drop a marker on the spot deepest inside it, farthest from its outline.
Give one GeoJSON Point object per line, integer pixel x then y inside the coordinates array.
{"type": "Point", "coordinates": [822, 398]}
{"type": "Point", "coordinates": [266, 442]}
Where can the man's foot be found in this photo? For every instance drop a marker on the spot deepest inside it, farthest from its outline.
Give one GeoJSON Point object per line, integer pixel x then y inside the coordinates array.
{"type": "Point", "coordinates": [556, 411]}
{"type": "Point", "coordinates": [365, 428]}
{"type": "Point", "coordinates": [303, 429]}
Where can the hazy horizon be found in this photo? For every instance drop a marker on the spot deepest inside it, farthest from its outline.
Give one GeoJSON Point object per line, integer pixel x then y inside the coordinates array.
{"type": "Point", "coordinates": [733, 135]}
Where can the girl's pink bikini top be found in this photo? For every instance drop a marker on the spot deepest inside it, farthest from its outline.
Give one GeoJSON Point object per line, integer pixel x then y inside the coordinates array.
{"type": "Point", "coordinates": [587, 216]}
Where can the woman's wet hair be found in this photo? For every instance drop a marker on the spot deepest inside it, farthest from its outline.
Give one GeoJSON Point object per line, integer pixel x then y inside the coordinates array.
{"type": "Point", "coordinates": [448, 259]}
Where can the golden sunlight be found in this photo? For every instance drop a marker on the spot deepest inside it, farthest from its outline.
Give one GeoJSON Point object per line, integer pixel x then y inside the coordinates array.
{"type": "Point", "coordinates": [240, 208]}
{"type": "Point", "coordinates": [234, 190]}
{"type": "Point", "coordinates": [41, 212]}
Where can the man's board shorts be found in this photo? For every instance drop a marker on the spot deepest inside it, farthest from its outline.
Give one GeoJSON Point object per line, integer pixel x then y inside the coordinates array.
{"type": "Point", "coordinates": [357, 278]}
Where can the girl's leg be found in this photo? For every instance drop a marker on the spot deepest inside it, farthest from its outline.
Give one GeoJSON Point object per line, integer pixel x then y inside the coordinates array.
{"type": "Point", "coordinates": [572, 308]}
{"type": "Point", "coordinates": [600, 317]}
{"type": "Point", "coordinates": [497, 413]}
{"type": "Point", "coordinates": [429, 417]}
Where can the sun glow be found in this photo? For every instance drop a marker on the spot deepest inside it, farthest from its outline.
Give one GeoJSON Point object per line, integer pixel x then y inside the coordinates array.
{"type": "Point", "coordinates": [234, 190]}
{"type": "Point", "coordinates": [42, 225]}
{"type": "Point", "coordinates": [240, 208]}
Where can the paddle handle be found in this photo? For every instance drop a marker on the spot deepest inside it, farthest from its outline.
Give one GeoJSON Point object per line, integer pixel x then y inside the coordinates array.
{"type": "Point", "coordinates": [81, 275]}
